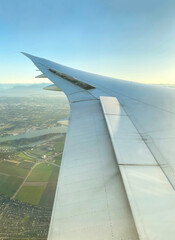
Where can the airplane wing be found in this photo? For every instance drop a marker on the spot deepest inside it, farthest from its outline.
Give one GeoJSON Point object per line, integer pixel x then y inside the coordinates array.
{"type": "Point", "coordinates": [117, 177]}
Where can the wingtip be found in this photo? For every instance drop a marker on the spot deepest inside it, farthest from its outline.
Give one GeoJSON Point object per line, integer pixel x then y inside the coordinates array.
{"type": "Point", "coordinates": [31, 57]}
{"type": "Point", "coordinates": [27, 54]}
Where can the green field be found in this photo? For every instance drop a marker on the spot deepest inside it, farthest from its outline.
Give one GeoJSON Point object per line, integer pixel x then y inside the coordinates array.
{"type": "Point", "coordinates": [14, 173]}
{"type": "Point", "coordinates": [26, 164]}
{"type": "Point", "coordinates": [47, 198]}
{"type": "Point", "coordinates": [40, 173]}
{"type": "Point", "coordinates": [22, 156]}
{"type": "Point", "coordinates": [30, 194]}
{"type": "Point", "coordinates": [59, 145]}
{"type": "Point", "coordinates": [54, 175]}
{"type": "Point", "coordinates": [37, 152]}
{"type": "Point", "coordinates": [50, 153]}
{"type": "Point", "coordinates": [9, 184]}
{"type": "Point", "coordinates": [49, 192]}
{"type": "Point", "coordinates": [11, 169]}
{"type": "Point", "coordinates": [58, 159]}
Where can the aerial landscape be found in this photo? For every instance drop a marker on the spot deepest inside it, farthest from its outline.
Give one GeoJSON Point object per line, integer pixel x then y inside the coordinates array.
{"type": "Point", "coordinates": [31, 146]}
{"type": "Point", "coordinates": [32, 136]}
{"type": "Point", "coordinates": [87, 120]}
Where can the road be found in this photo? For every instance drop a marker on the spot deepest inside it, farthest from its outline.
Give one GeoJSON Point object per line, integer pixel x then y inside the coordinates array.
{"type": "Point", "coordinates": [25, 180]}
{"type": "Point", "coordinates": [41, 161]}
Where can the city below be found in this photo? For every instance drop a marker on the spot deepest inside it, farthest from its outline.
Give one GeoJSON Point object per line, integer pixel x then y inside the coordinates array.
{"type": "Point", "coordinates": [32, 135]}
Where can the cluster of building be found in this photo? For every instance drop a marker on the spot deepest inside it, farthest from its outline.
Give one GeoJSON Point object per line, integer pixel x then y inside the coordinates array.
{"type": "Point", "coordinates": [17, 219]}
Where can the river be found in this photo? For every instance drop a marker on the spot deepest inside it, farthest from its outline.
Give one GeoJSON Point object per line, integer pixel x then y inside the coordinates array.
{"type": "Point", "coordinates": [36, 133]}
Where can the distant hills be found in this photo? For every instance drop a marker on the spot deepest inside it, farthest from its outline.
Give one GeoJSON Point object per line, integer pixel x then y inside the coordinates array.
{"type": "Point", "coordinates": [18, 85]}
{"type": "Point", "coordinates": [21, 89]}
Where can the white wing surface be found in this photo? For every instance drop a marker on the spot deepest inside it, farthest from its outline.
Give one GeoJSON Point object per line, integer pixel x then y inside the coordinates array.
{"type": "Point", "coordinates": [117, 174]}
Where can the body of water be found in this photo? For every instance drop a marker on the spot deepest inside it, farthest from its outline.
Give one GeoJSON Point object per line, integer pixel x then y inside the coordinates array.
{"type": "Point", "coordinates": [36, 133]}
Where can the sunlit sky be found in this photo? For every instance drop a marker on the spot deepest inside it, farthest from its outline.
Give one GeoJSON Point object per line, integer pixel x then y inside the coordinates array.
{"type": "Point", "coordinates": [127, 39]}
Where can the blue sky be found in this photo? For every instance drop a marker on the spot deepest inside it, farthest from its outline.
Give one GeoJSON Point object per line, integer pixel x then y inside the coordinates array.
{"type": "Point", "coordinates": [133, 40]}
